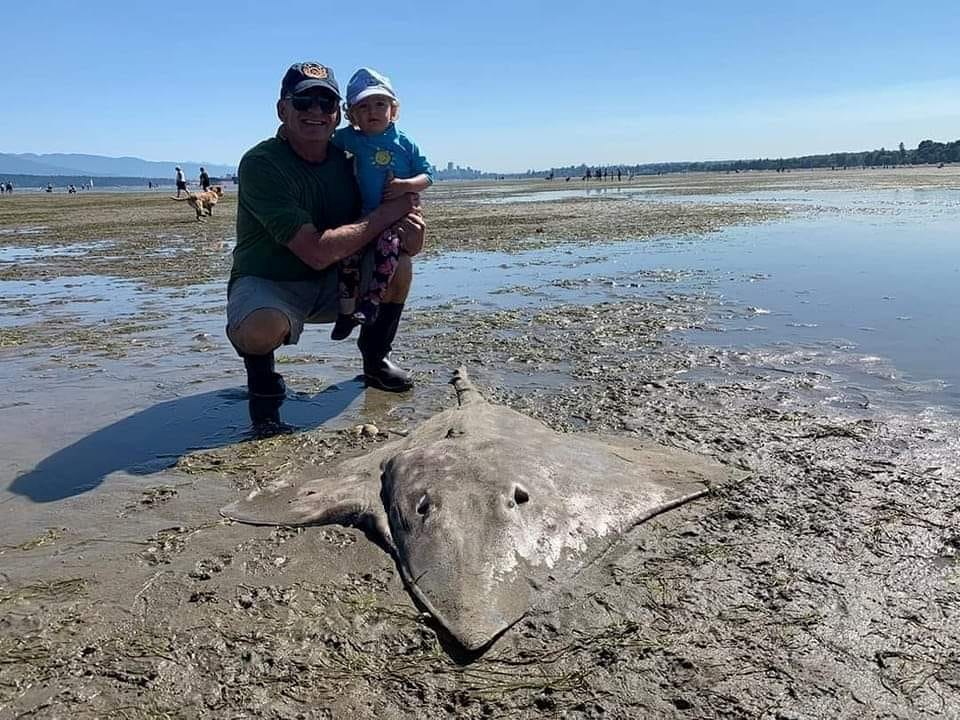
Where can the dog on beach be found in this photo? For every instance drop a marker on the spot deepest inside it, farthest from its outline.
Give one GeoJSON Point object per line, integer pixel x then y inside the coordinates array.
{"type": "Point", "coordinates": [203, 201]}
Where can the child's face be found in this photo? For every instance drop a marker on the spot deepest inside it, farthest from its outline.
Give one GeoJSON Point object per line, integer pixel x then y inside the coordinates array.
{"type": "Point", "coordinates": [373, 114]}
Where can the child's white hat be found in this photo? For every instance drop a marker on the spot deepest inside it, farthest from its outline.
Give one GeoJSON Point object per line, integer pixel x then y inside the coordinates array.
{"type": "Point", "coordinates": [366, 82]}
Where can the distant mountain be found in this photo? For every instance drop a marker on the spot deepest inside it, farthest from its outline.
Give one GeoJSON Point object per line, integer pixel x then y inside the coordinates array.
{"type": "Point", "coordinates": [101, 166]}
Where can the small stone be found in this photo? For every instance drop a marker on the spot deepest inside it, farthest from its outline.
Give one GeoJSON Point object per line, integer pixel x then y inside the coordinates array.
{"type": "Point", "coordinates": [364, 430]}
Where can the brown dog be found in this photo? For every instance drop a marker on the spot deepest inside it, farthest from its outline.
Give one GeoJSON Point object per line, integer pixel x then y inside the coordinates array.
{"type": "Point", "coordinates": [203, 200]}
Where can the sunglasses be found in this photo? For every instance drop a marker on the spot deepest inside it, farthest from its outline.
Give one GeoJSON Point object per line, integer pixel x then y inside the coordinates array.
{"type": "Point", "coordinates": [302, 103]}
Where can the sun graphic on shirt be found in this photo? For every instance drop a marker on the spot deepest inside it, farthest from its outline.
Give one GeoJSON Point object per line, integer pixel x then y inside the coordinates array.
{"type": "Point", "coordinates": [382, 157]}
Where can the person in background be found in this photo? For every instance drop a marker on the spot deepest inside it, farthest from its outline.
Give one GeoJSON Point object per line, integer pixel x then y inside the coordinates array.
{"type": "Point", "coordinates": [181, 182]}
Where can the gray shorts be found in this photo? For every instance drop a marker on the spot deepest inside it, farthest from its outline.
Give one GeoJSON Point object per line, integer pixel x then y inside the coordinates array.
{"type": "Point", "coordinates": [302, 301]}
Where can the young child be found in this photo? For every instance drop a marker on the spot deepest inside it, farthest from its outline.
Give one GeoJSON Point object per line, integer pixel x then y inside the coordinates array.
{"type": "Point", "coordinates": [388, 164]}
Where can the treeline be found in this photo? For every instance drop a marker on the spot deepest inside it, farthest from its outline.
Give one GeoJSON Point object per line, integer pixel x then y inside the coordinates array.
{"type": "Point", "coordinates": [927, 152]}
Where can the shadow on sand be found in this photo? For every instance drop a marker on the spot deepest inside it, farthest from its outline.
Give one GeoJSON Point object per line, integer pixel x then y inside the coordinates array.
{"type": "Point", "coordinates": [155, 438]}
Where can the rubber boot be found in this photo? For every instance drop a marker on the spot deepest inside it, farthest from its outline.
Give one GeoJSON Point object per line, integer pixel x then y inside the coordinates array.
{"type": "Point", "coordinates": [263, 381]}
{"type": "Point", "coordinates": [343, 327]}
{"type": "Point", "coordinates": [375, 343]}
{"type": "Point", "coordinates": [265, 417]}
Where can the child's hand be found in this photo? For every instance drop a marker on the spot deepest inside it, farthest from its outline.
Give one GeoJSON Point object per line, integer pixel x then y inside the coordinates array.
{"type": "Point", "coordinates": [394, 188]}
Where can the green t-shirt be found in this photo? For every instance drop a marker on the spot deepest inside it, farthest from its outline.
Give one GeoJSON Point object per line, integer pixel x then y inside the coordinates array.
{"type": "Point", "coordinates": [279, 193]}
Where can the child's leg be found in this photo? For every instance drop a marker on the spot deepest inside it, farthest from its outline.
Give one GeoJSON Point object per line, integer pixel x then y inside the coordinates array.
{"type": "Point", "coordinates": [348, 283]}
{"type": "Point", "coordinates": [348, 280]}
{"type": "Point", "coordinates": [386, 251]}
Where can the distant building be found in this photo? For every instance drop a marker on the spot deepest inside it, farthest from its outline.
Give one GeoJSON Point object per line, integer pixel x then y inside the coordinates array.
{"type": "Point", "coordinates": [455, 172]}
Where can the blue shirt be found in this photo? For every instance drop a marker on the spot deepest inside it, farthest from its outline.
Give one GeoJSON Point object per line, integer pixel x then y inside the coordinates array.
{"type": "Point", "coordinates": [375, 155]}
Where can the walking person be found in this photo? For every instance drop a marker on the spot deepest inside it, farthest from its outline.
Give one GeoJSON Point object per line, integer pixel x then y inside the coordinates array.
{"type": "Point", "coordinates": [181, 182]}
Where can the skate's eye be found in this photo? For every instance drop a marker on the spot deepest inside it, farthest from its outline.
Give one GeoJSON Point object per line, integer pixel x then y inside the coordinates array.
{"type": "Point", "coordinates": [520, 496]}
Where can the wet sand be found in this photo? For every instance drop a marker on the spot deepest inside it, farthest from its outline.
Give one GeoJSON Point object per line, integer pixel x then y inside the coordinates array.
{"type": "Point", "coordinates": [824, 583]}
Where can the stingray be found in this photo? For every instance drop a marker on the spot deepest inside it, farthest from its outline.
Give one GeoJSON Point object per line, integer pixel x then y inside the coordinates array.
{"type": "Point", "coordinates": [487, 512]}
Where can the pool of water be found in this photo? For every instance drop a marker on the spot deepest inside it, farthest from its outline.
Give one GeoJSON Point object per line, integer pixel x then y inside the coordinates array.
{"type": "Point", "coordinates": [87, 298]}
{"type": "Point", "coordinates": [906, 201]}
{"type": "Point", "coordinates": [7, 232]}
{"type": "Point", "coordinates": [871, 286]}
{"type": "Point", "coordinates": [884, 289]}
{"type": "Point", "coordinates": [16, 253]}
{"type": "Point", "coordinates": [580, 190]}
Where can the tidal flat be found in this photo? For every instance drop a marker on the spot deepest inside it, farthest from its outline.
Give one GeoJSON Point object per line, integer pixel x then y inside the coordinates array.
{"type": "Point", "coordinates": [734, 316]}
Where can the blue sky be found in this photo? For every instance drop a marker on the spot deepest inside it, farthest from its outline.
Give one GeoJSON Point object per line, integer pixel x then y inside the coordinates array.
{"type": "Point", "coordinates": [495, 85]}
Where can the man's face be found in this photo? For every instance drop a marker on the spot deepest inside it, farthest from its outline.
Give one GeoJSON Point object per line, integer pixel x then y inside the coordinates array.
{"type": "Point", "coordinates": [310, 117]}
{"type": "Point", "coordinates": [373, 114]}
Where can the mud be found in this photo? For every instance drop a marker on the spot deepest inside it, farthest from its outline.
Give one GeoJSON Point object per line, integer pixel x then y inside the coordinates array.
{"type": "Point", "coordinates": [825, 583]}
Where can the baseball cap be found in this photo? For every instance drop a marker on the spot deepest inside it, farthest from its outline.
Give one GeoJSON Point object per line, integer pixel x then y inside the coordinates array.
{"type": "Point", "coordinates": [366, 82]}
{"type": "Point", "coordinates": [305, 75]}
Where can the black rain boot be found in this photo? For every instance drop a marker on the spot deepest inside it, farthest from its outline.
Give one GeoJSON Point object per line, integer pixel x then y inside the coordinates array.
{"type": "Point", "coordinates": [375, 343]}
{"type": "Point", "coordinates": [265, 417]}
{"type": "Point", "coordinates": [263, 381]}
{"type": "Point", "coordinates": [343, 327]}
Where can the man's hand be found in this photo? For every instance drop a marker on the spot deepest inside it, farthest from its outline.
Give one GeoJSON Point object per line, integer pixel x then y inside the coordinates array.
{"type": "Point", "coordinates": [391, 211]}
{"type": "Point", "coordinates": [411, 232]}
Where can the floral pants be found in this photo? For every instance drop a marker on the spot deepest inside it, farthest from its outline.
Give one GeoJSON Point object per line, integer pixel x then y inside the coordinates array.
{"type": "Point", "coordinates": [386, 251]}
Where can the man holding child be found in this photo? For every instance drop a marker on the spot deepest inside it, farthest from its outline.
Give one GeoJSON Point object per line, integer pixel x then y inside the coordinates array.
{"type": "Point", "coordinates": [298, 216]}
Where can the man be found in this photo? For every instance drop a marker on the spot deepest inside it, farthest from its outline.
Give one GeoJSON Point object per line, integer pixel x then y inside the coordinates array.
{"type": "Point", "coordinates": [181, 182]}
{"type": "Point", "coordinates": [204, 180]}
{"type": "Point", "coordinates": [298, 214]}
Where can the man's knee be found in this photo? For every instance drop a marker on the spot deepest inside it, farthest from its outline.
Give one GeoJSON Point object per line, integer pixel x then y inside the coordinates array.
{"type": "Point", "coordinates": [400, 283]}
{"type": "Point", "coordinates": [261, 332]}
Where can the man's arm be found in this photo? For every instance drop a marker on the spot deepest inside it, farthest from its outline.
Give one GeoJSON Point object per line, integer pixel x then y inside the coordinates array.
{"type": "Point", "coordinates": [321, 250]}
{"type": "Point", "coordinates": [417, 184]}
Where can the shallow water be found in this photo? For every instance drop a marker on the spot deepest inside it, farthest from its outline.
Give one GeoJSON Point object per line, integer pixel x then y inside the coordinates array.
{"type": "Point", "coordinates": [879, 290]}
{"type": "Point", "coordinates": [912, 202]}
{"type": "Point", "coordinates": [868, 299]}
{"type": "Point", "coordinates": [580, 190]}
{"type": "Point", "coordinates": [882, 290]}
{"type": "Point", "coordinates": [13, 253]}
{"type": "Point", "coordinates": [84, 298]}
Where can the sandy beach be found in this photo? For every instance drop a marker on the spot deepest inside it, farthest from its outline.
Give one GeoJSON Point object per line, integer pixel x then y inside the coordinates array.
{"type": "Point", "coordinates": [823, 583]}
